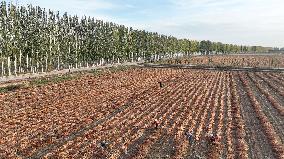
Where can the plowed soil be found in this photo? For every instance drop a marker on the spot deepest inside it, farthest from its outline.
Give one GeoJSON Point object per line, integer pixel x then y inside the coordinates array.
{"type": "Point", "coordinates": [71, 119]}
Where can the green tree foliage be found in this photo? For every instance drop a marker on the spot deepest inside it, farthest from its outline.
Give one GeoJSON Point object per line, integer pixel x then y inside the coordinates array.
{"type": "Point", "coordinates": [33, 39]}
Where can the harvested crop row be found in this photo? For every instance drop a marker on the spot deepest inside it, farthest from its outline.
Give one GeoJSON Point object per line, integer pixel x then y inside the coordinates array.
{"type": "Point", "coordinates": [229, 133]}
{"type": "Point", "coordinates": [242, 146]}
{"type": "Point", "coordinates": [214, 151]}
{"type": "Point", "coordinates": [221, 119]}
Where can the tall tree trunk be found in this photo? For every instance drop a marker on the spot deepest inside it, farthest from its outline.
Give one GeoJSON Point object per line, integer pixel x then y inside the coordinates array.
{"type": "Point", "coordinates": [9, 66]}
{"type": "Point", "coordinates": [2, 68]}
{"type": "Point", "coordinates": [15, 66]}
{"type": "Point", "coordinates": [58, 62]}
{"type": "Point", "coordinates": [27, 65]}
{"type": "Point", "coordinates": [20, 62]}
{"type": "Point", "coordinates": [46, 62]}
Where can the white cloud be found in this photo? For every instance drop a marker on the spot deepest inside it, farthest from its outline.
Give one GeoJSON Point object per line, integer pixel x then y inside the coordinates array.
{"type": "Point", "coordinates": [256, 22]}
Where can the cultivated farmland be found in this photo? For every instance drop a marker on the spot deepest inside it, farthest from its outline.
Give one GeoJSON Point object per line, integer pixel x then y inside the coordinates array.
{"type": "Point", "coordinates": [257, 61]}
{"type": "Point", "coordinates": [70, 119]}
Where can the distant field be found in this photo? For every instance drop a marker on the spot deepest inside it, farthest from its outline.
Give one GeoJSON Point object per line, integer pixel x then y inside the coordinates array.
{"type": "Point", "coordinates": [262, 61]}
{"type": "Point", "coordinates": [68, 119]}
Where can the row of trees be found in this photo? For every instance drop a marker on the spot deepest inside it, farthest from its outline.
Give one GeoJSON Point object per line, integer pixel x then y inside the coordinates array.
{"type": "Point", "coordinates": [33, 39]}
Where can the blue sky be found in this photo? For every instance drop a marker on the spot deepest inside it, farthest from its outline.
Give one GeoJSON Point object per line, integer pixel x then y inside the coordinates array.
{"type": "Point", "coordinates": [249, 22]}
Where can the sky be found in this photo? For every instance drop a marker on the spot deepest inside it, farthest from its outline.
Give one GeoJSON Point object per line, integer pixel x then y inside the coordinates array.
{"type": "Point", "coordinates": [243, 22]}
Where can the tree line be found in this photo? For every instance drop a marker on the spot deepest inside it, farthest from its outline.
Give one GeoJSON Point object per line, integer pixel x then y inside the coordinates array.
{"type": "Point", "coordinates": [33, 39]}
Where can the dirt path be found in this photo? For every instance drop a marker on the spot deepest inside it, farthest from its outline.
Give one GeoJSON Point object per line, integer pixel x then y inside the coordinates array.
{"type": "Point", "coordinates": [217, 68]}
{"type": "Point", "coordinates": [55, 72]}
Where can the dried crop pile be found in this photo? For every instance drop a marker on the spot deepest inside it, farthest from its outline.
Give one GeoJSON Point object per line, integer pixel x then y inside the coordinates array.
{"type": "Point", "coordinates": [261, 61]}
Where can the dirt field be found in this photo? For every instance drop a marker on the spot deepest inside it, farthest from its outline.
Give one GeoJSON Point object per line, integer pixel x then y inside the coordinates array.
{"type": "Point", "coordinates": [70, 119]}
{"type": "Point", "coordinates": [260, 61]}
